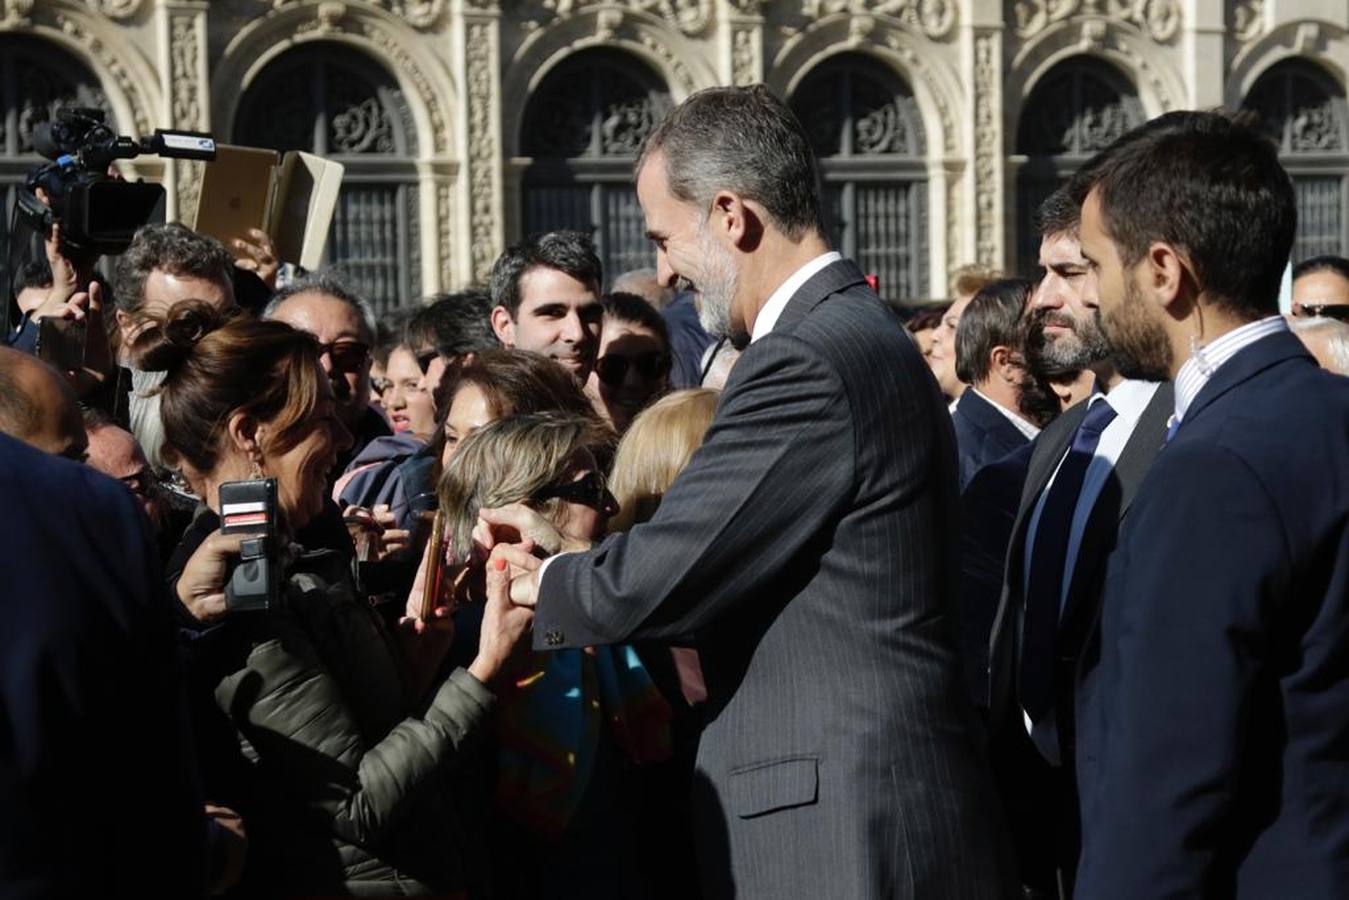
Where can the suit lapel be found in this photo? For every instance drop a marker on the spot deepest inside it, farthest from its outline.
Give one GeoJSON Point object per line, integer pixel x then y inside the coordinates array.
{"type": "Point", "coordinates": [837, 276]}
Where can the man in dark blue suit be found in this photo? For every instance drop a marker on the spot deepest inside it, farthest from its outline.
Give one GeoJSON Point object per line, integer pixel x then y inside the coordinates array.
{"type": "Point", "coordinates": [990, 358]}
{"type": "Point", "coordinates": [98, 796]}
{"type": "Point", "coordinates": [1213, 724]}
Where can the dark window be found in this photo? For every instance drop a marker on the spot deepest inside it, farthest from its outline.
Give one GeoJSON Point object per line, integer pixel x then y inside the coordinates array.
{"type": "Point", "coordinates": [1077, 109]}
{"type": "Point", "coordinates": [1303, 110]}
{"type": "Point", "coordinates": [331, 101]}
{"type": "Point", "coordinates": [583, 128]}
{"type": "Point", "coordinates": [868, 134]}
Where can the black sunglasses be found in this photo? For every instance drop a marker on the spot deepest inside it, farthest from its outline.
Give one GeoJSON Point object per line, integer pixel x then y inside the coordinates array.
{"type": "Point", "coordinates": [613, 369]}
{"type": "Point", "coordinates": [588, 490]}
{"type": "Point", "coordinates": [347, 356]}
{"type": "Point", "coordinates": [1329, 310]}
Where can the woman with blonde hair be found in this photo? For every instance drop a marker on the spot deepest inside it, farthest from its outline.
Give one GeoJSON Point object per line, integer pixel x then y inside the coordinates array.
{"type": "Point", "coordinates": [563, 816]}
{"type": "Point", "coordinates": [656, 448]}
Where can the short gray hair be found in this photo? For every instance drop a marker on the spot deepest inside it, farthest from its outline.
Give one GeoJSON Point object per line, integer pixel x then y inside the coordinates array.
{"type": "Point", "coordinates": [1336, 334]}
{"type": "Point", "coordinates": [740, 139]}
{"type": "Point", "coordinates": [330, 284]}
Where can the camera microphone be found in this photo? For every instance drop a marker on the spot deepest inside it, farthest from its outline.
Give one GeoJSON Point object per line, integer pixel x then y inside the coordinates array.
{"type": "Point", "coordinates": [43, 142]}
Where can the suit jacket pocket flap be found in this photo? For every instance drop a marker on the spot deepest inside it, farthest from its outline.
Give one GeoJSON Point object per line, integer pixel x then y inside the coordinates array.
{"type": "Point", "coordinates": [769, 786]}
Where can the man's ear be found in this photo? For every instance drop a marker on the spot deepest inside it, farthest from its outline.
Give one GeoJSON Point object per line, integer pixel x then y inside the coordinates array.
{"type": "Point", "coordinates": [1004, 363]}
{"type": "Point", "coordinates": [738, 219]}
{"type": "Point", "coordinates": [504, 326]}
{"type": "Point", "coordinates": [1170, 277]}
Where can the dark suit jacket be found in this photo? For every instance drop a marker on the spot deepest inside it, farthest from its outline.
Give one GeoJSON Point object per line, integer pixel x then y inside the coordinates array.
{"type": "Point", "coordinates": [983, 435]}
{"type": "Point", "coordinates": [98, 793]}
{"type": "Point", "coordinates": [810, 545]}
{"type": "Point", "coordinates": [1214, 747]}
{"type": "Point", "coordinates": [1042, 802]}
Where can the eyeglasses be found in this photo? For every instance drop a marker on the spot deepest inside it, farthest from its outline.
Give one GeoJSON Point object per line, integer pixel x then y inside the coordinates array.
{"type": "Point", "coordinates": [347, 356]}
{"type": "Point", "coordinates": [588, 490]}
{"type": "Point", "coordinates": [651, 366]}
{"type": "Point", "coordinates": [1329, 310]}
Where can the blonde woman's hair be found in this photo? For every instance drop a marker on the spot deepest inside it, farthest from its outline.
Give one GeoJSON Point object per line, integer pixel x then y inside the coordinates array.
{"type": "Point", "coordinates": [658, 445]}
{"type": "Point", "coordinates": [509, 461]}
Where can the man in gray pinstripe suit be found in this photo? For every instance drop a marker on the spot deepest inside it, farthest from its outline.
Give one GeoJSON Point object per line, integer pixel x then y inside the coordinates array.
{"type": "Point", "coordinates": [808, 547]}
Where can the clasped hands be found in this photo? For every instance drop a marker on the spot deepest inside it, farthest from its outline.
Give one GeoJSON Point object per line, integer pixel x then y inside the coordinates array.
{"type": "Point", "coordinates": [522, 538]}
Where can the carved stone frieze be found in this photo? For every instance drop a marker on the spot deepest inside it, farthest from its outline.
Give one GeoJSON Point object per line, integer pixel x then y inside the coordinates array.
{"type": "Point", "coordinates": [15, 13]}
{"type": "Point", "coordinates": [690, 17]}
{"type": "Point", "coordinates": [987, 150]}
{"type": "Point", "coordinates": [482, 149]}
{"type": "Point", "coordinates": [934, 18]}
{"type": "Point", "coordinates": [745, 53]}
{"type": "Point", "coordinates": [444, 229]}
{"type": "Point", "coordinates": [404, 62]}
{"type": "Point", "coordinates": [953, 251]}
{"type": "Point", "coordinates": [417, 13]}
{"type": "Point", "coordinates": [1159, 19]}
{"type": "Point", "coordinates": [115, 9]}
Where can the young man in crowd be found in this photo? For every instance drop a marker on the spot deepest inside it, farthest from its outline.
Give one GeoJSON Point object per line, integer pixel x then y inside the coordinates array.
{"type": "Point", "coordinates": [1210, 723]}
{"type": "Point", "coordinates": [546, 298]}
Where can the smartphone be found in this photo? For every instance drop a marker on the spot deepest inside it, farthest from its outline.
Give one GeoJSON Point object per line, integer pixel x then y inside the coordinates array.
{"type": "Point", "coordinates": [61, 342]}
{"type": "Point", "coordinates": [249, 507]}
{"type": "Point", "coordinates": [434, 567]}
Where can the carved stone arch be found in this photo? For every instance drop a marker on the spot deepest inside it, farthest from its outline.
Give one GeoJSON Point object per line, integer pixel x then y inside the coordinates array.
{"type": "Point", "coordinates": [424, 81]}
{"type": "Point", "coordinates": [649, 39]}
{"type": "Point", "coordinates": [1122, 46]}
{"type": "Point", "coordinates": [935, 86]}
{"type": "Point", "coordinates": [1320, 43]}
{"type": "Point", "coordinates": [127, 78]}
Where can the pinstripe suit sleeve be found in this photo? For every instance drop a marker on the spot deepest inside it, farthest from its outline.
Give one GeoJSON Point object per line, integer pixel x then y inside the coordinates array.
{"type": "Point", "coordinates": [776, 467]}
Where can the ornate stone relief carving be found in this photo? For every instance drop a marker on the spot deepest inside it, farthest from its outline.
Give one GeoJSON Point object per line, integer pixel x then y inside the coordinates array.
{"type": "Point", "coordinates": [691, 17]}
{"type": "Point", "coordinates": [111, 64]}
{"type": "Point", "coordinates": [15, 12]}
{"type": "Point", "coordinates": [482, 150]}
{"type": "Point", "coordinates": [185, 104]}
{"type": "Point", "coordinates": [953, 216]}
{"type": "Point", "coordinates": [417, 13]}
{"type": "Point", "coordinates": [745, 65]}
{"type": "Point", "coordinates": [1159, 19]}
{"type": "Point", "coordinates": [987, 150]}
{"type": "Point", "coordinates": [115, 9]}
{"type": "Point", "coordinates": [1248, 20]}
{"type": "Point", "coordinates": [443, 234]}
{"type": "Point", "coordinates": [404, 62]}
{"type": "Point", "coordinates": [933, 18]}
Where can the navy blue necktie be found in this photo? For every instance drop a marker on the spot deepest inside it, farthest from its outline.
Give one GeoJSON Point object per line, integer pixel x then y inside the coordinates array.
{"type": "Point", "coordinates": [1048, 556]}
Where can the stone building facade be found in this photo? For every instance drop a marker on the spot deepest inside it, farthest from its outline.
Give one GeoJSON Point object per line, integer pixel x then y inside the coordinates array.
{"type": "Point", "coordinates": [467, 123]}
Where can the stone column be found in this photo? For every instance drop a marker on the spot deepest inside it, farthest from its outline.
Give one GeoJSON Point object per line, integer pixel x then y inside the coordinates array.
{"type": "Point", "coordinates": [984, 183]}
{"type": "Point", "coordinates": [181, 29]}
{"type": "Point", "coordinates": [478, 58]}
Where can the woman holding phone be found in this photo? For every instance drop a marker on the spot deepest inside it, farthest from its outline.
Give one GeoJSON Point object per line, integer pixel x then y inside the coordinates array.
{"type": "Point", "coordinates": [308, 720]}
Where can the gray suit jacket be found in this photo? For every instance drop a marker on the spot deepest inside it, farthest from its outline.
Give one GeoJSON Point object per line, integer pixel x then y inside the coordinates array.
{"type": "Point", "coordinates": [810, 547]}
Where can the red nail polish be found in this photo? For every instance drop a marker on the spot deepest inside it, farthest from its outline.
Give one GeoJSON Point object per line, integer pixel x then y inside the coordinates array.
{"type": "Point", "coordinates": [501, 565]}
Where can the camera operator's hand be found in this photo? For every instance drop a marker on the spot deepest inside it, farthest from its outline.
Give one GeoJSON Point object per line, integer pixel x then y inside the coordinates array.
{"type": "Point", "coordinates": [261, 259]}
{"type": "Point", "coordinates": [503, 623]}
{"type": "Point", "coordinates": [201, 587]}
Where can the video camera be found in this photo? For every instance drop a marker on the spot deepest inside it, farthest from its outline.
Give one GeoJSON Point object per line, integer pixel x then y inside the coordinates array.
{"type": "Point", "coordinates": [98, 214]}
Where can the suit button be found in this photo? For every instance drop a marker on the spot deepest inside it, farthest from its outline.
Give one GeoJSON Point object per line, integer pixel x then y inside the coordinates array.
{"type": "Point", "coordinates": [553, 638]}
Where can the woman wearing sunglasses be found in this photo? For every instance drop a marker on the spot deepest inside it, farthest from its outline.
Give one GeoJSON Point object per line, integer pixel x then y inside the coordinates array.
{"type": "Point", "coordinates": [562, 821]}
{"type": "Point", "coordinates": [633, 368]}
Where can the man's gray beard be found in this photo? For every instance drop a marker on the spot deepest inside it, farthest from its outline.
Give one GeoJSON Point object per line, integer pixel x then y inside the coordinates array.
{"type": "Point", "coordinates": [716, 288]}
{"type": "Point", "coordinates": [1086, 346]}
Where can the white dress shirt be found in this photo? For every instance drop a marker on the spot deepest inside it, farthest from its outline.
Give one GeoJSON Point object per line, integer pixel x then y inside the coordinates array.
{"type": "Point", "coordinates": [777, 301]}
{"type": "Point", "coordinates": [1199, 368]}
{"type": "Point", "coordinates": [1129, 399]}
{"type": "Point", "coordinates": [1026, 428]}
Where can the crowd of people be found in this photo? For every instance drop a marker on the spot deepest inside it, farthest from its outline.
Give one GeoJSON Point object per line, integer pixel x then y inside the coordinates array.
{"type": "Point", "coordinates": [723, 578]}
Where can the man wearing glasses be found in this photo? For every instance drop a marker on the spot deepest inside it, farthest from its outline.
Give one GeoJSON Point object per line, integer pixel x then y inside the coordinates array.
{"type": "Point", "coordinates": [1321, 287]}
{"type": "Point", "coordinates": [322, 305]}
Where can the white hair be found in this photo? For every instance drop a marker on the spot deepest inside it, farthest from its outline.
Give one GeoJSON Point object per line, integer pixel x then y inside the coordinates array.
{"type": "Point", "coordinates": [1334, 332]}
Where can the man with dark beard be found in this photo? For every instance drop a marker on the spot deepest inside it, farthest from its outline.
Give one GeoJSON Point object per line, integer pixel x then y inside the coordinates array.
{"type": "Point", "coordinates": [1082, 474]}
{"type": "Point", "coordinates": [1213, 721]}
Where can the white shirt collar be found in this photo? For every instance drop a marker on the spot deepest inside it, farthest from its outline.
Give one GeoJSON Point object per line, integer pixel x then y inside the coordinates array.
{"type": "Point", "coordinates": [1208, 359]}
{"type": "Point", "coordinates": [1129, 398]}
{"type": "Point", "coordinates": [1026, 428]}
{"type": "Point", "coordinates": [772, 310]}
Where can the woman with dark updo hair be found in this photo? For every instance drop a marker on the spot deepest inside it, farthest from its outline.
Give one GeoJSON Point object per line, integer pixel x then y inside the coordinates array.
{"type": "Point", "coordinates": [311, 717]}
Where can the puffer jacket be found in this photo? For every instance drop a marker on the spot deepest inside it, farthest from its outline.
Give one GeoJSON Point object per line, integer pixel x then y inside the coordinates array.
{"type": "Point", "coordinates": [346, 789]}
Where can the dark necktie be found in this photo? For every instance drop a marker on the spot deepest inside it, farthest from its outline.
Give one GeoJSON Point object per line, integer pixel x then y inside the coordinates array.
{"type": "Point", "coordinates": [1048, 555]}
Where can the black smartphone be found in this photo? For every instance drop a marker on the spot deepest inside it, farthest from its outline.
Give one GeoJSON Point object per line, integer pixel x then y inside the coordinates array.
{"type": "Point", "coordinates": [249, 507]}
{"type": "Point", "coordinates": [61, 342]}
